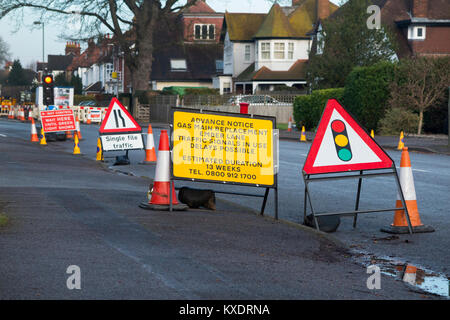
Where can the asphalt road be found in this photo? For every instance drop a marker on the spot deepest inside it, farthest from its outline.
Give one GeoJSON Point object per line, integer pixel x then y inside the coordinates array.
{"type": "Point", "coordinates": [68, 210]}
{"type": "Point", "coordinates": [432, 183]}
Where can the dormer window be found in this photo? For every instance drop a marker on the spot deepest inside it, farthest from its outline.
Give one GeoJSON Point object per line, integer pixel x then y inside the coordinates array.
{"type": "Point", "coordinates": [178, 65]}
{"type": "Point", "coordinates": [416, 33]}
{"type": "Point", "coordinates": [204, 32]}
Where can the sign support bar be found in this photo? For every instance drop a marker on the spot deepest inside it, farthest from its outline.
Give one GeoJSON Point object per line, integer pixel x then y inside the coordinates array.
{"type": "Point", "coordinates": [307, 179]}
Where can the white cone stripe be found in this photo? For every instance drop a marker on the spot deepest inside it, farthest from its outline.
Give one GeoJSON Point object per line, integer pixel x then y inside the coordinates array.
{"type": "Point", "coordinates": [162, 167]}
{"type": "Point", "coordinates": [407, 183]}
{"type": "Point", "coordinates": [410, 278]}
{"type": "Point", "coordinates": [150, 143]}
{"type": "Point", "coordinates": [33, 129]}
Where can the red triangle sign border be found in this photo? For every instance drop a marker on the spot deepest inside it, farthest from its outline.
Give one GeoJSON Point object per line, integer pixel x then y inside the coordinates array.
{"type": "Point", "coordinates": [308, 167]}
{"type": "Point", "coordinates": [102, 129]}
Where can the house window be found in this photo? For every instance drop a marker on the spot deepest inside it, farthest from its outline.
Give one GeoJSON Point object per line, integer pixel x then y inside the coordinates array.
{"type": "Point", "coordinates": [416, 33]}
{"type": "Point", "coordinates": [226, 87]}
{"type": "Point", "coordinates": [265, 50]}
{"type": "Point", "coordinates": [279, 50]}
{"type": "Point", "coordinates": [290, 50]}
{"type": "Point", "coordinates": [108, 71]}
{"type": "Point", "coordinates": [219, 66]}
{"type": "Point", "coordinates": [204, 32]}
{"type": "Point", "coordinates": [247, 52]}
{"type": "Point", "coordinates": [178, 64]}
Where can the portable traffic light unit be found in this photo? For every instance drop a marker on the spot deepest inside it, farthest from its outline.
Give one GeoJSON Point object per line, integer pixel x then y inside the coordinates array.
{"type": "Point", "coordinates": [48, 88]}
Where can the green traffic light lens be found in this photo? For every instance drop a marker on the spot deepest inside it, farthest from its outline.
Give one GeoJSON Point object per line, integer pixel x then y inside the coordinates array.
{"type": "Point", "coordinates": [344, 154]}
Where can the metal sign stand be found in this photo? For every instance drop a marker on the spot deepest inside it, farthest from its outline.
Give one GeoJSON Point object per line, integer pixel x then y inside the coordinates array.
{"type": "Point", "coordinates": [308, 178]}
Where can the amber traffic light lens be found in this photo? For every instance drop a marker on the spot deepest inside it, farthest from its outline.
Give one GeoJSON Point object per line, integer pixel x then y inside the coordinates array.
{"type": "Point", "coordinates": [48, 80]}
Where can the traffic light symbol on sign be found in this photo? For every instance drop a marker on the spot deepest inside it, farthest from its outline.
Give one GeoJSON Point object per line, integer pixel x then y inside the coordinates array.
{"type": "Point", "coordinates": [48, 90]}
{"type": "Point", "coordinates": [341, 142]}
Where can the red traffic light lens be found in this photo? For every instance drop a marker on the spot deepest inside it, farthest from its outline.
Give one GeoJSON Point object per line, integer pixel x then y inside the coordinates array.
{"type": "Point", "coordinates": [48, 79]}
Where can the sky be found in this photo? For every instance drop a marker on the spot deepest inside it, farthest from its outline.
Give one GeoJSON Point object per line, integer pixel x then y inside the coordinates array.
{"type": "Point", "coordinates": [25, 38]}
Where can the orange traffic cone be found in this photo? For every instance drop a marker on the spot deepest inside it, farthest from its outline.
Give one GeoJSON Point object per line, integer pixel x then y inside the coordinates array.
{"type": "Point", "coordinates": [290, 125]}
{"type": "Point", "coordinates": [150, 154]}
{"type": "Point", "coordinates": [160, 199]}
{"type": "Point", "coordinates": [34, 136]}
{"type": "Point", "coordinates": [303, 136]}
{"type": "Point", "coordinates": [400, 224]}
{"type": "Point", "coordinates": [401, 142]}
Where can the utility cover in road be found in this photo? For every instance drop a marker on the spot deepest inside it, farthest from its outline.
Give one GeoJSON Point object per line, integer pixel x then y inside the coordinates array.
{"type": "Point", "coordinates": [341, 144]}
{"type": "Point", "coordinates": [58, 120]}
{"type": "Point", "coordinates": [118, 120]}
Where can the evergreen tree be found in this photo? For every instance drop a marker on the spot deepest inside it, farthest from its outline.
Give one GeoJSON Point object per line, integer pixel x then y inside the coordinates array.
{"type": "Point", "coordinates": [77, 84]}
{"type": "Point", "coordinates": [345, 41]}
{"type": "Point", "coordinates": [17, 76]}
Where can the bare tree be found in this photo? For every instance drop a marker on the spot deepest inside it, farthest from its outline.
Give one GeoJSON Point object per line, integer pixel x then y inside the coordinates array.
{"type": "Point", "coordinates": [420, 83]}
{"type": "Point", "coordinates": [4, 51]}
{"type": "Point", "coordinates": [132, 22]}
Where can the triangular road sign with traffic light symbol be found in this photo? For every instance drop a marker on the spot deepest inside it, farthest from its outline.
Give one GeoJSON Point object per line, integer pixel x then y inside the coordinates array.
{"type": "Point", "coordinates": [118, 120]}
{"type": "Point", "coordinates": [342, 145]}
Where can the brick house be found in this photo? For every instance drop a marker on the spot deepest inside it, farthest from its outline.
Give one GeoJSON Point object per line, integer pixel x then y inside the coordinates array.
{"type": "Point", "coordinates": [262, 51]}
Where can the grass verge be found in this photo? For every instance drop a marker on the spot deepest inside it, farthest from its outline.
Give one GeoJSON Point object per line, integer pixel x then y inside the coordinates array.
{"type": "Point", "coordinates": [3, 220]}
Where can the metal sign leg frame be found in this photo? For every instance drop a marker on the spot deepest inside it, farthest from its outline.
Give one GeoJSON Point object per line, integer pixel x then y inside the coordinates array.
{"type": "Point", "coordinates": [307, 198]}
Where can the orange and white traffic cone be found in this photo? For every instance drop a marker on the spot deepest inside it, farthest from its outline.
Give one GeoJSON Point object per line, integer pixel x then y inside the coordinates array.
{"type": "Point", "coordinates": [302, 135]}
{"type": "Point", "coordinates": [290, 125]}
{"type": "Point", "coordinates": [150, 154]}
{"type": "Point", "coordinates": [160, 199]}
{"type": "Point", "coordinates": [410, 274]}
{"type": "Point", "coordinates": [401, 142]}
{"type": "Point", "coordinates": [400, 224]}
{"type": "Point", "coordinates": [34, 135]}
{"type": "Point", "coordinates": [77, 126]}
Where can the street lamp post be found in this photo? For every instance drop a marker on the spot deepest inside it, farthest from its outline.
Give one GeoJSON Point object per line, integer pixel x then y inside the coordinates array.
{"type": "Point", "coordinates": [43, 55]}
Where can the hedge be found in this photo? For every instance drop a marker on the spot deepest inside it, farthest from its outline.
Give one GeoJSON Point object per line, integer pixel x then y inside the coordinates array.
{"type": "Point", "coordinates": [367, 93]}
{"type": "Point", "coordinates": [309, 108]}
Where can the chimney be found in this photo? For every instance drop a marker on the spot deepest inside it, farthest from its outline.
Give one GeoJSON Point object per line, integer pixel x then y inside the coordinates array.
{"type": "Point", "coordinates": [420, 8]}
{"type": "Point", "coordinates": [296, 2]}
{"type": "Point", "coordinates": [72, 48]}
{"type": "Point", "coordinates": [323, 9]}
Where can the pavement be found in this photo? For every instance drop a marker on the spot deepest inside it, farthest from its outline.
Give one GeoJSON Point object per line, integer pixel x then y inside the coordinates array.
{"type": "Point", "coordinates": [69, 210]}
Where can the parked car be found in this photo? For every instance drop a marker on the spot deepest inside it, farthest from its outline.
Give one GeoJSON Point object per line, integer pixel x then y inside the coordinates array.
{"type": "Point", "coordinates": [254, 99]}
{"type": "Point", "coordinates": [88, 103]}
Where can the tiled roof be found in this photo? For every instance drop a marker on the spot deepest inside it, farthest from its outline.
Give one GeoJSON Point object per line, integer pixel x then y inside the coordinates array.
{"type": "Point", "coordinates": [296, 72]}
{"type": "Point", "coordinates": [59, 62]}
{"type": "Point", "coordinates": [200, 61]}
{"type": "Point", "coordinates": [199, 7]}
{"type": "Point", "coordinates": [275, 24]}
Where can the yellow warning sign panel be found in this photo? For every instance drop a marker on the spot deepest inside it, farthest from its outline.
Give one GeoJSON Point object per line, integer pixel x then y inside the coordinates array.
{"type": "Point", "coordinates": [223, 148]}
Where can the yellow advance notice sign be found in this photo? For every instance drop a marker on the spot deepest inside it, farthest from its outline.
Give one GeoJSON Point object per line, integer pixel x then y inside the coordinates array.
{"type": "Point", "coordinates": [223, 148]}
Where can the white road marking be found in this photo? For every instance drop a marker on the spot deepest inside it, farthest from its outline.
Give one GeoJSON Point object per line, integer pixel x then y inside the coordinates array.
{"type": "Point", "coordinates": [3, 135]}
{"type": "Point", "coordinates": [420, 170]}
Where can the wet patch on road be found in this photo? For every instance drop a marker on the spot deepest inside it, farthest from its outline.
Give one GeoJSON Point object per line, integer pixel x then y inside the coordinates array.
{"type": "Point", "coordinates": [424, 279]}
